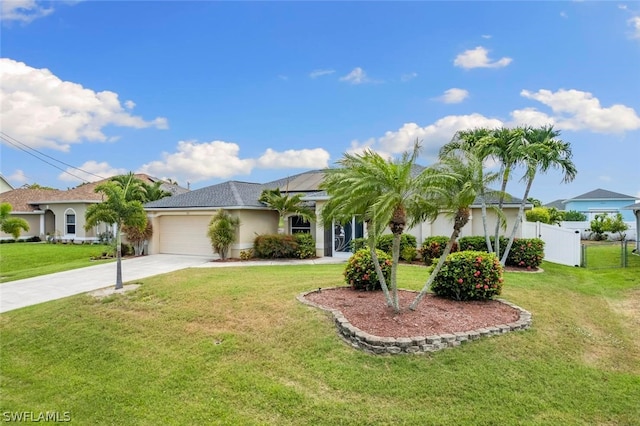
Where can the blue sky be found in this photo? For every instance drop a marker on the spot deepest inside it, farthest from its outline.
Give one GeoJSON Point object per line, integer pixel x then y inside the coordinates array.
{"type": "Point", "coordinates": [204, 92]}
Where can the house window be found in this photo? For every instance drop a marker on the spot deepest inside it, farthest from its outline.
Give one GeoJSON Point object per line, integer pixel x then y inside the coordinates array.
{"type": "Point", "coordinates": [299, 225]}
{"type": "Point", "coordinates": [71, 223]}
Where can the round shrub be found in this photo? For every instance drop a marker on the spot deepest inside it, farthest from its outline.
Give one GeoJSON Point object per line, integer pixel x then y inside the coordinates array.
{"type": "Point", "coordinates": [360, 273]}
{"type": "Point", "coordinates": [433, 247]}
{"type": "Point", "coordinates": [385, 242]}
{"type": "Point", "coordinates": [469, 275]}
{"type": "Point", "coordinates": [526, 253]}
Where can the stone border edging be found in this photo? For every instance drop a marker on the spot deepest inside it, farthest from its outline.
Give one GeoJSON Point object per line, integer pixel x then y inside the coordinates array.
{"type": "Point", "coordinates": [358, 339]}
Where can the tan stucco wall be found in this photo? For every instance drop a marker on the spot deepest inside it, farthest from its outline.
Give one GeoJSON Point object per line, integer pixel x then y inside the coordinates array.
{"type": "Point", "coordinates": [34, 226]}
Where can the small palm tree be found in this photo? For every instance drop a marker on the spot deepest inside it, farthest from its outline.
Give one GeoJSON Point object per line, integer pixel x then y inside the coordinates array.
{"type": "Point", "coordinates": [459, 180]}
{"type": "Point", "coordinates": [222, 232]}
{"type": "Point", "coordinates": [286, 204]}
{"type": "Point", "coordinates": [384, 193]}
{"type": "Point", "coordinates": [119, 208]}
{"type": "Point", "coordinates": [153, 191]}
{"type": "Point", "coordinates": [11, 225]}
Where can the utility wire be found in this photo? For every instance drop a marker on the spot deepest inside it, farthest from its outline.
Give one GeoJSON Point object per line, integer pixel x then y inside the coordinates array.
{"type": "Point", "coordinates": [13, 141]}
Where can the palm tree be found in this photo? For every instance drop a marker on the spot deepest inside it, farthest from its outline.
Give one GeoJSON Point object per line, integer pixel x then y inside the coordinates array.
{"type": "Point", "coordinates": [11, 225]}
{"type": "Point", "coordinates": [384, 193]}
{"type": "Point", "coordinates": [542, 151]}
{"type": "Point", "coordinates": [222, 232]}
{"type": "Point", "coordinates": [119, 208]}
{"type": "Point", "coordinates": [505, 146]}
{"type": "Point", "coordinates": [135, 186]}
{"type": "Point", "coordinates": [459, 179]}
{"type": "Point", "coordinates": [286, 204]}
{"type": "Point", "coordinates": [477, 143]}
{"type": "Point", "coordinates": [153, 191]}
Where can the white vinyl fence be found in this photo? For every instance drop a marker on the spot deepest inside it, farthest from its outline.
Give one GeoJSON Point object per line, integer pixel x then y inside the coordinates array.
{"type": "Point", "coordinates": [560, 245]}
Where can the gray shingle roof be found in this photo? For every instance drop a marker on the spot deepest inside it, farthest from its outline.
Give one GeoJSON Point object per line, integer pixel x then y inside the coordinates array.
{"type": "Point", "coordinates": [226, 194]}
{"type": "Point", "coordinates": [602, 194]}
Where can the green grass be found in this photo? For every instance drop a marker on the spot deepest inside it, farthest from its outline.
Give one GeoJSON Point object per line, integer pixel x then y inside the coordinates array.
{"type": "Point", "coordinates": [26, 260]}
{"type": "Point", "coordinates": [232, 346]}
{"type": "Point", "coordinates": [608, 254]}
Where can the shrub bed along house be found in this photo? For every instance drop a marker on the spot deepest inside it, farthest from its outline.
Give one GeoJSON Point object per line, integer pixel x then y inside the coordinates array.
{"type": "Point", "coordinates": [360, 272]}
{"type": "Point", "coordinates": [279, 246]}
{"type": "Point", "coordinates": [408, 243]}
{"type": "Point", "coordinates": [469, 275]}
{"type": "Point", "coordinates": [433, 247]}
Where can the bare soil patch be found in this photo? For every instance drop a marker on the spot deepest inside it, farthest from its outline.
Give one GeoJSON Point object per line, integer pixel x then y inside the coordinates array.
{"type": "Point", "coordinates": [368, 311]}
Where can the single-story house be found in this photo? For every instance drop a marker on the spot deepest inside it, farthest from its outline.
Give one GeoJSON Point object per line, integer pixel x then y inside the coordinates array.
{"type": "Point", "coordinates": [596, 202]}
{"type": "Point", "coordinates": [180, 222]}
{"type": "Point", "coordinates": [53, 213]}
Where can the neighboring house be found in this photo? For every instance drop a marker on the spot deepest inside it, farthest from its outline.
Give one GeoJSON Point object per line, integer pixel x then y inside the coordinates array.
{"type": "Point", "coordinates": [180, 223]}
{"type": "Point", "coordinates": [4, 185]}
{"type": "Point", "coordinates": [53, 213]}
{"type": "Point", "coordinates": [596, 202]}
{"type": "Point", "coordinates": [599, 201]}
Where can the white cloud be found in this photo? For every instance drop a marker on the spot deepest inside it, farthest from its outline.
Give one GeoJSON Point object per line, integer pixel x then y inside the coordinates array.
{"type": "Point", "coordinates": [486, 36]}
{"type": "Point", "coordinates": [433, 136]}
{"type": "Point", "coordinates": [19, 177]}
{"type": "Point", "coordinates": [634, 23]}
{"type": "Point", "coordinates": [42, 110]}
{"type": "Point", "coordinates": [320, 73]}
{"type": "Point", "coordinates": [408, 77]}
{"type": "Point", "coordinates": [622, 6]}
{"type": "Point", "coordinates": [194, 161]}
{"type": "Point", "coordinates": [91, 171]}
{"type": "Point", "coordinates": [129, 104]}
{"type": "Point", "coordinates": [530, 117]}
{"type": "Point", "coordinates": [564, 15]}
{"type": "Point", "coordinates": [479, 58]}
{"type": "Point", "coordinates": [454, 96]}
{"type": "Point", "coordinates": [317, 158]}
{"type": "Point", "coordinates": [605, 178]}
{"type": "Point", "coordinates": [577, 110]}
{"type": "Point", "coordinates": [23, 11]}
{"type": "Point", "coordinates": [356, 76]}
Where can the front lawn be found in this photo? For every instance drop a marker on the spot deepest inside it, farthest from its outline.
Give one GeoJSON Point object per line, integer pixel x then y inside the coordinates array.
{"type": "Point", "coordinates": [233, 346]}
{"type": "Point", "coordinates": [26, 260]}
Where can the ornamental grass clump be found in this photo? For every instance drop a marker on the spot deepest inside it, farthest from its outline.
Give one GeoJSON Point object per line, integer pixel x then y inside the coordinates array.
{"type": "Point", "coordinates": [469, 275]}
{"type": "Point", "coordinates": [360, 271]}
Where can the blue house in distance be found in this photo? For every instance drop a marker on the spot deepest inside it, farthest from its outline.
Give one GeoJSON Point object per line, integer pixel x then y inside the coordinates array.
{"type": "Point", "coordinates": [601, 201]}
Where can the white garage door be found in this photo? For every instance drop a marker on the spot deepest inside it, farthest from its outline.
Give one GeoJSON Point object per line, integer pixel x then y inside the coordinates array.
{"type": "Point", "coordinates": [185, 235]}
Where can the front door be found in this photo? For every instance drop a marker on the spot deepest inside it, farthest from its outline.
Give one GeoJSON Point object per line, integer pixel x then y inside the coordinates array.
{"type": "Point", "coordinates": [343, 234]}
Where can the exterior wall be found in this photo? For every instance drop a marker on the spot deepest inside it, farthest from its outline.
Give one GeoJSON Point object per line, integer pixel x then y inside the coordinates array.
{"type": "Point", "coordinates": [4, 185]}
{"type": "Point", "coordinates": [60, 228]}
{"type": "Point", "coordinates": [252, 224]}
{"type": "Point", "coordinates": [593, 207]}
{"type": "Point", "coordinates": [33, 219]}
{"type": "Point", "coordinates": [443, 226]}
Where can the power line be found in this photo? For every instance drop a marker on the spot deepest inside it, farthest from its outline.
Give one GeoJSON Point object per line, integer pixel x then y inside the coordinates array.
{"type": "Point", "coordinates": [13, 141]}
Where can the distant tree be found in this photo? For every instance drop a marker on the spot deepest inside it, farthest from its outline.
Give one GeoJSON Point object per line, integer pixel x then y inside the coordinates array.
{"type": "Point", "coordinates": [222, 232]}
{"type": "Point", "coordinates": [534, 201]}
{"type": "Point", "coordinates": [286, 204]}
{"type": "Point", "coordinates": [538, 214]}
{"type": "Point", "coordinates": [574, 216]}
{"type": "Point", "coordinates": [616, 225]}
{"type": "Point", "coordinates": [11, 225]}
{"type": "Point", "coordinates": [153, 191]}
{"type": "Point", "coordinates": [36, 186]}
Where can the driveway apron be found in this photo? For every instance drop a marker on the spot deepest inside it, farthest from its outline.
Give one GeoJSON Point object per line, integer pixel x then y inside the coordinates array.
{"type": "Point", "coordinates": [31, 291]}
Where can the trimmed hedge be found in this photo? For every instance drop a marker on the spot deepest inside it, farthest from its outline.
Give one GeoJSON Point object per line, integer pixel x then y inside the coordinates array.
{"type": "Point", "coordinates": [360, 273]}
{"type": "Point", "coordinates": [433, 247]}
{"type": "Point", "coordinates": [469, 275]}
{"type": "Point", "coordinates": [280, 246]}
{"type": "Point", "coordinates": [385, 243]}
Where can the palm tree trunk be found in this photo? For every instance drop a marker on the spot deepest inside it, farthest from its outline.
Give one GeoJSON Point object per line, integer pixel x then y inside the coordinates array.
{"type": "Point", "coordinates": [503, 189]}
{"type": "Point", "coordinates": [376, 264]}
{"type": "Point", "coordinates": [484, 222]}
{"type": "Point", "coordinates": [434, 273]}
{"type": "Point", "coordinates": [118, 257]}
{"type": "Point", "coordinates": [395, 258]}
{"type": "Point", "coordinates": [517, 223]}
{"type": "Point", "coordinates": [461, 219]}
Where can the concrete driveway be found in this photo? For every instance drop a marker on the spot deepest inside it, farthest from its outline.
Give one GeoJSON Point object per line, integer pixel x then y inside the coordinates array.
{"type": "Point", "coordinates": [31, 291]}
